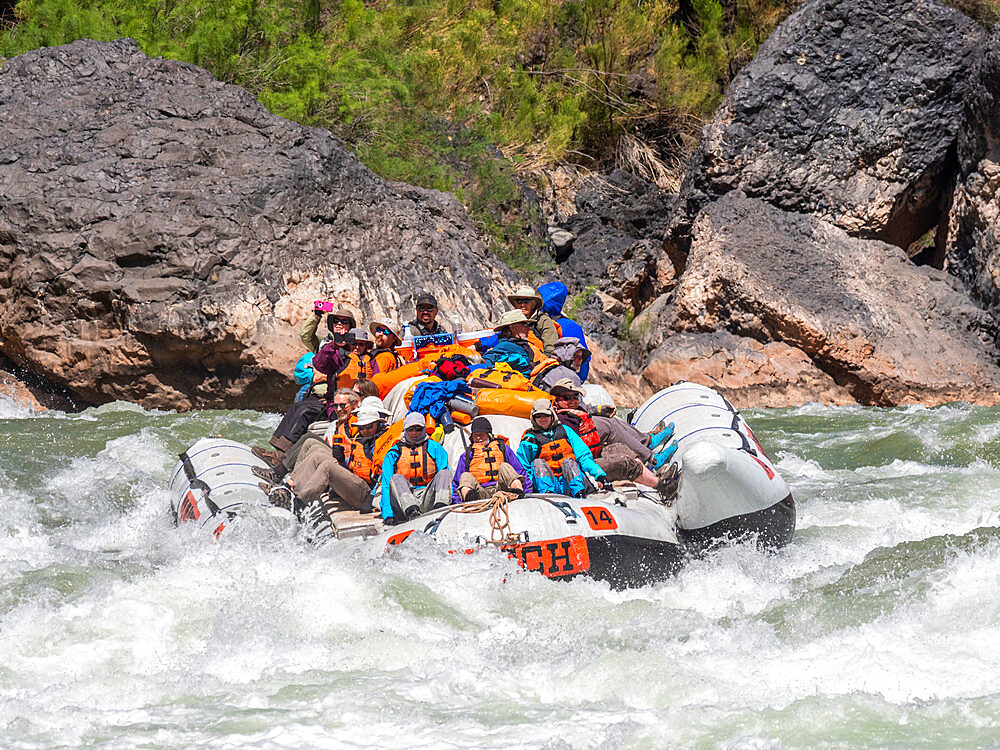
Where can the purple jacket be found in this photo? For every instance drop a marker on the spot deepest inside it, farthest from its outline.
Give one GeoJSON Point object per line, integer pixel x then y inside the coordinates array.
{"type": "Point", "coordinates": [508, 455]}
{"type": "Point", "coordinates": [331, 360]}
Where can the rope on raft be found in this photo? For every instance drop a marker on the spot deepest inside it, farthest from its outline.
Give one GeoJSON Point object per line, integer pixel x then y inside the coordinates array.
{"type": "Point", "coordinates": [500, 533]}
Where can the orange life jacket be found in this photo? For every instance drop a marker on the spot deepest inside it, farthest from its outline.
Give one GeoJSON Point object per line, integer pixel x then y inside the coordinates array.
{"type": "Point", "coordinates": [540, 361]}
{"type": "Point", "coordinates": [362, 466]}
{"type": "Point", "coordinates": [585, 429]}
{"type": "Point", "coordinates": [552, 450]}
{"type": "Point", "coordinates": [483, 461]}
{"type": "Point", "coordinates": [415, 463]}
{"type": "Point", "coordinates": [356, 368]}
{"type": "Point", "coordinates": [342, 436]}
{"type": "Point", "coordinates": [383, 360]}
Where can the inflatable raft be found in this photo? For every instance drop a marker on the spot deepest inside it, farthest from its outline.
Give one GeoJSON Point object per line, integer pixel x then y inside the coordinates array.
{"type": "Point", "coordinates": [723, 488]}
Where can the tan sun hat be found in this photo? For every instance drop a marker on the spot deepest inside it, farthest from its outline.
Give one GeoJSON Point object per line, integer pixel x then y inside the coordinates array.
{"type": "Point", "coordinates": [387, 324]}
{"type": "Point", "coordinates": [565, 385]}
{"type": "Point", "coordinates": [525, 292]}
{"type": "Point", "coordinates": [510, 318]}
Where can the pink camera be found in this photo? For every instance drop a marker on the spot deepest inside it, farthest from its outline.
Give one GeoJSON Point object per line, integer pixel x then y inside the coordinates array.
{"type": "Point", "coordinates": [321, 306]}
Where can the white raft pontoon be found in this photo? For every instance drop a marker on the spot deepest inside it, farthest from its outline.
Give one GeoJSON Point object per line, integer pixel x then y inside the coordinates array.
{"type": "Point", "coordinates": [723, 488]}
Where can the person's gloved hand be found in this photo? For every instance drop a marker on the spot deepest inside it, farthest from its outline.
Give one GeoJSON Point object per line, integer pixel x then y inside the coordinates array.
{"type": "Point", "coordinates": [604, 485]}
{"type": "Point", "coordinates": [339, 454]}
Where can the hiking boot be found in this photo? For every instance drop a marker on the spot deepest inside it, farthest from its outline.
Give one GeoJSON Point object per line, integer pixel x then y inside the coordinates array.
{"type": "Point", "coordinates": [366, 506]}
{"type": "Point", "coordinates": [662, 434]}
{"type": "Point", "coordinates": [268, 475]}
{"type": "Point", "coordinates": [412, 512]}
{"type": "Point", "coordinates": [668, 485]}
{"type": "Point", "coordinates": [281, 497]}
{"type": "Point", "coordinates": [271, 458]}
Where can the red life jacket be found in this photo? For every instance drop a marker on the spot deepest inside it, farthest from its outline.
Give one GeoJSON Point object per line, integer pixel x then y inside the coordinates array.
{"type": "Point", "coordinates": [552, 450]}
{"type": "Point", "coordinates": [415, 463]}
{"type": "Point", "coordinates": [583, 425]}
{"type": "Point", "coordinates": [483, 461]}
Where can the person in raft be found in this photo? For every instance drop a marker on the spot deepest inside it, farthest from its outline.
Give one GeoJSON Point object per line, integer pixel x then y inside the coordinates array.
{"type": "Point", "coordinates": [426, 321]}
{"type": "Point", "coordinates": [350, 474]}
{"type": "Point", "coordinates": [415, 474]}
{"type": "Point", "coordinates": [556, 454]}
{"type": "Point", "coordinates": [387, 338]}
{"type": "Point", "coordinates": [544, 331]}
{"type": "Point", "coordinates": [514, 348]}
{"type": "Point", "coordinates": [615, 446]}
{"type": "Point", "coordinates": [487, 465]}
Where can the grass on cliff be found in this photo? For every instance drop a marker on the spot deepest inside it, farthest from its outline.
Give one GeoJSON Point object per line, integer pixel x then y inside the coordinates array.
{"type": "Point", "coordinates": [458, 95]}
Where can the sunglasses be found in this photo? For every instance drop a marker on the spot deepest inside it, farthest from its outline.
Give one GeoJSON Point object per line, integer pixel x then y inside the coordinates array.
{"type": "Point", "coordinates": [415, 428]}
{"type": "Point", "coordinates": [340, 407]}
{"type": "Point", "coordinates": [384, 332]}
{"type": "Point", "coordinates": [425, 308]}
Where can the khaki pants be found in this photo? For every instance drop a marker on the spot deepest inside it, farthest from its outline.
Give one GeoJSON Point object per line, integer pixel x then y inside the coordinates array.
{"type": "Point", "coordinates": [319, 470]}
{"type": "Point", "coordinates": [619, 463]}
{"type": "Point", "coordinates": [507, 476]}
{"type": "Point", "coordinates": [612, 430]}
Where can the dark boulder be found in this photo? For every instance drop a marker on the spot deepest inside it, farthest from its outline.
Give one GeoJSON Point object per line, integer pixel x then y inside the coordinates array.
{"type": "Point", "coordinates": [973, 239]}
{"type": "Point", "coordinates": [885, 330]}
{"type": "Point", "coordinates": [609, 244]}
{"type": "Point", "coordinates": [849, 112]}
{"type": "Point", "coordinates": [162, 235]}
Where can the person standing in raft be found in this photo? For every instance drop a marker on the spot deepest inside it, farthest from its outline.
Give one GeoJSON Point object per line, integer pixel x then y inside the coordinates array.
{"type": "Point", "coordinates": [554, 295]}
{"type": "Point", "coordinates": [387, 338]}
{"type": "Point", "coordinates": [487, 465]}
{"type": "Point", "coordinates": [426, 322]}
{"type": "Point", "coordinates": [297, 419]}
{"type": "Point", "coordinates": [544, 331]}
{"type": "Point", "coordinates": [556, 454]}
{"type": "Point", "coordinates": [415, 474]}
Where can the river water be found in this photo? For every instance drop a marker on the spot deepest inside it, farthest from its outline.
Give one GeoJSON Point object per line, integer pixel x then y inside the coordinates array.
{"type": "Point", "coordinates": [878, 626]}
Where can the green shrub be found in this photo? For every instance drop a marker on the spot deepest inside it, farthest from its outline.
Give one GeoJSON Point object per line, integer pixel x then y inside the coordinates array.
{"type": "Point", "coordinates": [427, 91]}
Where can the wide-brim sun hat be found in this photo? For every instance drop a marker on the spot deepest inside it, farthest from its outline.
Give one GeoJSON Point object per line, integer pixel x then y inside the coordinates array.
{"type": "Point", "coordinates": [343, 312]}
{"type": "Point", "coordinates": [524, 292]}
{"type": "Point", "coordinates": [565, 385]}
{"type": "Point", "coordinates": [367, 417]}
{"type": "Point", "coordinates": [388, 325]}
{"type": "Point", "coordinates": [509, 318]}
{"type": "Point", "coordinates": [374, 403]}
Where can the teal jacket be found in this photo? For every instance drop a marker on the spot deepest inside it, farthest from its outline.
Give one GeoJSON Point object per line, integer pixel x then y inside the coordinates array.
{"type": "Point", "coordinates": [527, 452]}
{"type": "Point", "coordinates": [438, 454]}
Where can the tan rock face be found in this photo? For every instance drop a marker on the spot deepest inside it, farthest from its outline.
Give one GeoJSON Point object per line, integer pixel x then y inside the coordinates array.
{"type": "Point", "coordinates": [13, 389]}
{"type": "Point", "coordinates": [883, 330]}
{"type": "Point", "coordinates": [745, 371]}
{"type": "Point", "coordinates": [162, 235]}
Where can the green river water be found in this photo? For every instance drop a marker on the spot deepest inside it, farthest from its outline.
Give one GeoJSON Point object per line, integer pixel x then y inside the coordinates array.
{"type": "Point", "coordinates": [879, 626]}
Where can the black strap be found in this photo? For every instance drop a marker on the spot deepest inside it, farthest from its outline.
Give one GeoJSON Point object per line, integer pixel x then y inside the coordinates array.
{"type": "Point", "coordinates": [198, 484]}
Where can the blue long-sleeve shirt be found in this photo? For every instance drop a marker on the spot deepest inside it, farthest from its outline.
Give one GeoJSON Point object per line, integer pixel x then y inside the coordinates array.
{"type": "Point", "coordinates": [527, 452]}
{"type": "Point", "coordinates": [438, 454]}
{"type": "Point", "coordinates": [509, 456]}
